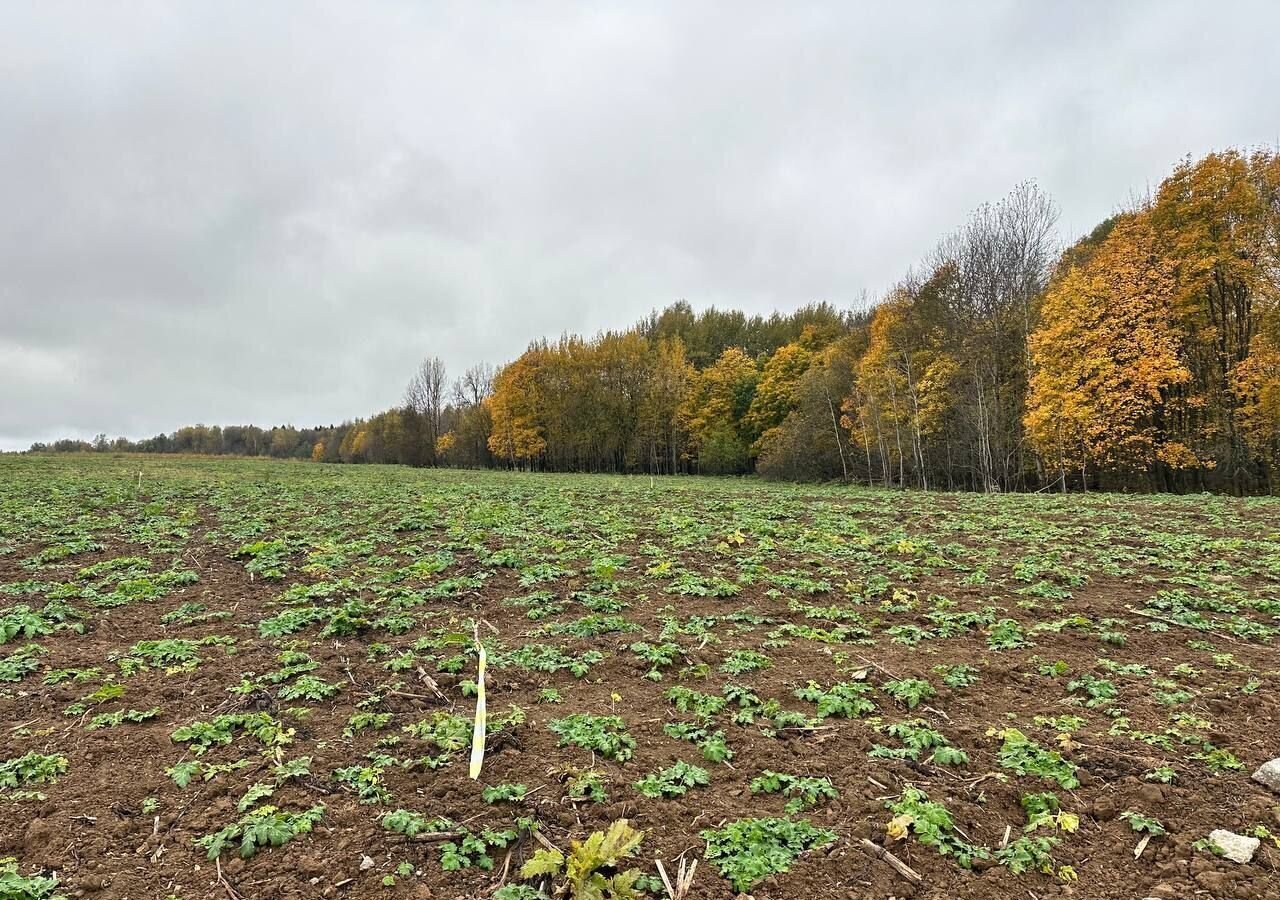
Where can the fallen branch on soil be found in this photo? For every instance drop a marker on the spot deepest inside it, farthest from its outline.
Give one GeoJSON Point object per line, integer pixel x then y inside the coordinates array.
{"type": "Point", "coordinates": [226, 885]}
{"type": "Point", "coordinates": [879, 668]}
{"type": "Point", "coordinates": [544, 842]}
{"type": "Point", "coordinates": [874, 849]}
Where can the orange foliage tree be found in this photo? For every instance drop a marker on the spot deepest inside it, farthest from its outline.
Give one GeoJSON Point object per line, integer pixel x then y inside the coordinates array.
{"type": "Point", "coordinates": [1105, 358]}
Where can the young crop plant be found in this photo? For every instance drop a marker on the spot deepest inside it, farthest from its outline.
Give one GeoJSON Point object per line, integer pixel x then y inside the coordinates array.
{"type": "Point", "coordinates": [658, 656]}
{"type": "Point", "coordinates": [687, 700]}
{"type": "Point", "coordinates": [516, 891]}
{"type": "Point", "coordinates": [840, 634]}
{"type": "Point", "coordinates": [673, 781]}
{"type": "Point", "coordinates": [740, 662]}
{"type": "Point", "coordinates": [351, 618]}
{"type": "Point", "coordinates": [1044, 809]}
{"type": "Point", "coordinates": [308, 687]}
{"type": "Point", "coordinates": [365, 720]}
{"type": "Point", "coordinates": [1140, 823]}
{"type": "Point", "coordinates": [114, 719]}
{"type": "Point", "coordinates": [473, 849]}
{"type": "Point", "coordinates": [194, 614]}
{"type": "Point", "coordinates": [32, 768]}
{"type": "Point", "coordinates": [221, 730]}
{"type": "Point", "coordinates": [186, 771]}
{"type": "Point", "coordinates": [14, 886]}
{"type": "Point", "coordinates": [1219, 761]}
{"type": "Point", "coordinates": [365, 782]}
{"type": "Point", "coordinates": [749, 850]}
{"type": "Point", "coordinates": [174, 654]}
{"type": "Point", "coordinates": [844, 699]}
{"type": "Point", "coordinates": [267, 559]}
{"type": "Point", "coordinates": [601, 601]}
{"type": "Point", "coordinates": [1162, 774]}
{"type": "Point", "coordinates": [21, 663]}
{"type": "Point", "coordinates": [545, 658]}
{"type": "Point", "coordinates": [1137, 670]}
{"type": "Point", "coordinates": [411, 824]}
{"type": "Point", "coordinates": [768, 715]}
{"type": "Point", "coordinates": [932, 824]}
{"type": "Point", "coordinates": [22, 621]}
{"type": "Point", "coordinates": [103, 694]}
{"type": "Point", "coordinates": [538, 605]}
{"type": "Point", "coordinates": [1027, 854]}
{"type": "Point", "coordinates": [958, 676]}
{"type": "Point", "coordinates": [291, 621]}
{"type": "Point", "coordinates": [445, 731]}
{"type": "Point", "coordinates": [583, 785]}
{"type": "Point", "coordinates": [917, 739]}
{"type": "Point", "coordinates": [907, 634]}
{"type": "Point", "coordinates": [910, 692]}
{"type": "Point", "coordinates": [1006, 634]}
{"type": "Point", "coordinates": [804, 791]}
{"type": "Point", "coordinates": [713, 745]}
{"type": "Point", "coordinates": [256, 792]}
{"type": "Point", "coordinates": [606, 735]}
{"type": "Point", "coordinates": [292, 769]}
{"type": "Point", "coordinates": [1025, 757]}
{"type": "Point", "coordinates": [504, 793]}
{"type": "Point", "coordinates": [79, 676]}
{"type": "Point", "coordinates": [691, 584]}
{"type": "Point", "coordinates": [1099, 691]}
{"type": "Point", "coordinates": [591, 626]}
{"type": "Point", "coordinates": [266, 826]}
{"type": "Point", "coordinates": [145, 587]}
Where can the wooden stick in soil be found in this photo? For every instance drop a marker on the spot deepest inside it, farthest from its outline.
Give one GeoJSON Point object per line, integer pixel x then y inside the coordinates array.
{"type": "Point", "coordinates": [879, 668]}
{"type": "Point", "coordinates": [544, 842]}
{"type": "Point", "coordinates": [684, 879]}
{"type": "Point", "coordinates": [226, 886]}
{"type": "Point", "coordinates": [874, 849]}
{"type": "Point", "coordinates": [481, 722]}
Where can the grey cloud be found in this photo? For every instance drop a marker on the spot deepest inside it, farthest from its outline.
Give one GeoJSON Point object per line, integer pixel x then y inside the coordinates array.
{"type": "Point", "coordinates": [237, 212]}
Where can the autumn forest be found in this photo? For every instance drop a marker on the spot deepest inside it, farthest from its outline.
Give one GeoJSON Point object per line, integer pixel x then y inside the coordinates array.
{"type": "Point", "coordinates": [1145, 356]}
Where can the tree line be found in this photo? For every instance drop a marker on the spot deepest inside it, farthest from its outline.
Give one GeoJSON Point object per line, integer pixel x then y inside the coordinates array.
{"type": "Point", "coordinates": [1145, 356]}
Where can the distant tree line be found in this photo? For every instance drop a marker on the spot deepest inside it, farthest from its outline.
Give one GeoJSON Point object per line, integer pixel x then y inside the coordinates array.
{"type": "Point", "coordinates": [1146, 356]}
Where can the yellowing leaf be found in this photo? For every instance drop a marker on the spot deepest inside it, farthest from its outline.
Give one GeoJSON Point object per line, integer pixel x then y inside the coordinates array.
{"type": "Point", "coordinates": [898, 825]}
{"type": "Point", "coordinates": [544, 862]}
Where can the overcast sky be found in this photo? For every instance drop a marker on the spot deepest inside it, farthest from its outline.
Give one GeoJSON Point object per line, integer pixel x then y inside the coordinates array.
{"type": "Point", "coordinates": [269, 212]}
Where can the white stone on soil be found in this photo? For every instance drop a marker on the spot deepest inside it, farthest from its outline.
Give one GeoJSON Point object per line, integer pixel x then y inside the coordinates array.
{"type": "Point", "coordinates": [1235, 847]}
{"type": "Point", "coordinates": [1268, 775]}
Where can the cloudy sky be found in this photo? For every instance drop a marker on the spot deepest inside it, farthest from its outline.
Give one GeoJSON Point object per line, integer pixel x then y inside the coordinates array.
{"type": "Point", "coordinates": [268, 212]}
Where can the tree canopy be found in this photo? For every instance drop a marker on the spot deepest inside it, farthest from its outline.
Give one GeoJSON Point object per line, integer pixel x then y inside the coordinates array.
{"type": "Point", "coordinates": [1144, 356]}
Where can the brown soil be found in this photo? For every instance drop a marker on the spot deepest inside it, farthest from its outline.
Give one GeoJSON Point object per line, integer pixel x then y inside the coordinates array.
{"type": "Point", "coordinates": [91, 830]}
